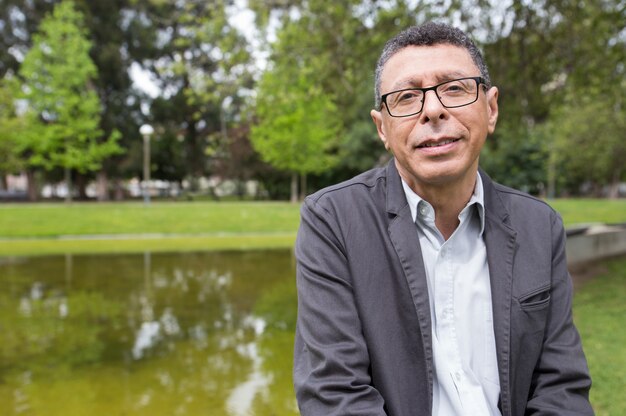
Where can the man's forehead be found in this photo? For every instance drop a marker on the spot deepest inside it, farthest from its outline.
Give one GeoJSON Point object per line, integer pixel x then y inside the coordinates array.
{"type": "Point", "coordinates": [413, 66]}
{"type": "Point", "coordinates": [435, 78]}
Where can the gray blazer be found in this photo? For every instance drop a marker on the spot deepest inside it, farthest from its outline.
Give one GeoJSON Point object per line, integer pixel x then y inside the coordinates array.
{"type": "Point", "coordinates": [363, 338]}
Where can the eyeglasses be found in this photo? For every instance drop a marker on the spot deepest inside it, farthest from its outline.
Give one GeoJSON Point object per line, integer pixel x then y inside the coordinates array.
{"type": "Point", "coordinates": [451, 94]}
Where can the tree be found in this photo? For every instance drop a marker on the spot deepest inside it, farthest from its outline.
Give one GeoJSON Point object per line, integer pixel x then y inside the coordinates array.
{"type": "Point", "coordinates": [63, 109]}
{"type": "Point", "coordinates": [589, 139]}
{"type": "Point", "coordinates": [201, 63]}
{"type": "Point", "coordinates": [111, 35]}
{"type": "Point", "coordinates": [108, 23]}
{"type": "Point", "coordinates": [298, 124]}
{"type": "Point", "coordinates": [238, 160]}
{"type": "Point", "coordinates": [10, 127]}
{"type": "Point", "coordinates": [588, 124]}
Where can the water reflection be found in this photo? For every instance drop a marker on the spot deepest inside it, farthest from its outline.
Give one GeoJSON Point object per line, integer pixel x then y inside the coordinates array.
{"type": "Point", "coordinates": [166, 334]}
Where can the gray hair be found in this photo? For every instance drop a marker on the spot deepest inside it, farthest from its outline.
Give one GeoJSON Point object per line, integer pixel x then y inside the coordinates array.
{"type": "Point", "coordinates": [428, 34]}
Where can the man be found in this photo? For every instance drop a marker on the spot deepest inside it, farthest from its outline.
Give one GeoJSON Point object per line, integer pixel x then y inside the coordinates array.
{"type": "Point", "coordinates": [424, 287]}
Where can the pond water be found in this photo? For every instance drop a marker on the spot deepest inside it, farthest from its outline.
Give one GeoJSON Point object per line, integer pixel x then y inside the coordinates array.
{"type": "Point", "coordinates": [148, 334]}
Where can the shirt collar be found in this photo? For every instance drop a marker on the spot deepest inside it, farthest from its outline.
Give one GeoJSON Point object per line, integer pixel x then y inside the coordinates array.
{"type": "Point", "coordinates": [477, 198]}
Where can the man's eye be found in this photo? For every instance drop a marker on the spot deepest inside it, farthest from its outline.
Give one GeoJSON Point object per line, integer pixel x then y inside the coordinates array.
{"type": "Point", "coordinates": [408, 96]}
{"type": "Point", "coordinates": [453, 88]}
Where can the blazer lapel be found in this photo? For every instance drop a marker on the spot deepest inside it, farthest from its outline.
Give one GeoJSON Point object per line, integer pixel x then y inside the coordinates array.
{"type": "Point", "coordinates": [405, 241]}
{"type": "Point", "coordinates": [500, 240]}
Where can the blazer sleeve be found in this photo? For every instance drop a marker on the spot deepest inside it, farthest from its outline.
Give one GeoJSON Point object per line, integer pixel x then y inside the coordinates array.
{"type": "Point", "coordinates": [331, 359]}
{"type": "Point", "coordinates": [561, 382]}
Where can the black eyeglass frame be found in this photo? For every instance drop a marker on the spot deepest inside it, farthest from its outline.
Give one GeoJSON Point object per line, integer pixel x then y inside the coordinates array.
{"type": "Point", "coordinates": [479, 81]}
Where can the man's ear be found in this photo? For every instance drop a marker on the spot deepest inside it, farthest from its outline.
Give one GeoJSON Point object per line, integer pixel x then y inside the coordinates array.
{"type": "Point", "coordinates": [377, 118]}
{"type": "Point", "coordinates": [492, 104]}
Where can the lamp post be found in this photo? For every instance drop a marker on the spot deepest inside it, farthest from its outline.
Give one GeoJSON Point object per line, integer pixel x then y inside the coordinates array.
{"type": "Point", "coordinates": [146, 131]}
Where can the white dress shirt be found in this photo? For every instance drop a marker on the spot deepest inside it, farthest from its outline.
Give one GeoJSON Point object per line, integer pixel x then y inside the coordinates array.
{"type": "Point", "coordinates": [464, 349]}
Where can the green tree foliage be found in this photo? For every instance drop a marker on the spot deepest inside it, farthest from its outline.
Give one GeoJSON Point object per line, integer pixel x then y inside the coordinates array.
{"type": "Point", "coordinates": [11, 126]}
{"type": "Point", "coordinates": [514, 155]}
{"type": "Point", "coordinates": [298, 125]}
{"type": "Point", "coordinates": [589, 144]}
{"type": "Point", "coordinates": [112, 35]}
{"type": "Point", "coordinates": [202, 65]}
{"type": "Point", "coordinates": [298, 122]}
{"type": "Point", "coordinates": [107, 22]}
{"type": "Point", "coordinates": [588, 125]}
{"type": "Point", "coordinates": [63, 110]}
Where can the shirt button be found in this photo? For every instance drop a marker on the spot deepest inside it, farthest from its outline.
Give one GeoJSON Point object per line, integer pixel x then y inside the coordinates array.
{"type": "Point", "coordinates": [457, 376]}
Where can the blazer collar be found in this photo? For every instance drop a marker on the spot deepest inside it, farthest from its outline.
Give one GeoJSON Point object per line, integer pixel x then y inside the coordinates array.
{"type": "Point", "coordinates": [396, 200]}
{"type": "Point", "coordinates": [494, 207]}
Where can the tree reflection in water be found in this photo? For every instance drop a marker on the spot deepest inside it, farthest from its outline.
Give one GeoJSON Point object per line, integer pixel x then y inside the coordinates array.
{"type": "Point", "coordinates": [166, 334]}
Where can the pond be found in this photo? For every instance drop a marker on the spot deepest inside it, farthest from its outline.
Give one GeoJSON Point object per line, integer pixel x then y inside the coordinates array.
{"type": "Point", "coordinates": [149, 334]}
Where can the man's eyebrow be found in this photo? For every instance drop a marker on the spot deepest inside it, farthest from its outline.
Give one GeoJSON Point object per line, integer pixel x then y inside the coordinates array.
{"type": "Point", "coordinates": [407, 83]}
{"type": "Point", "coordinates": [450, 76]}
{"type": "Point", "coordinates": [415, 83]}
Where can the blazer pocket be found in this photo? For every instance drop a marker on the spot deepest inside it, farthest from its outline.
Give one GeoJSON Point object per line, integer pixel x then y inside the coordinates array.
{"type": "Point", "coordinates": [536, 299]}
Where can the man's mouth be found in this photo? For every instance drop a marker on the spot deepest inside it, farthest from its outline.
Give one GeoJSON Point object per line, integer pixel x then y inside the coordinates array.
{"type": "Point", "coordinates": [437, 144]}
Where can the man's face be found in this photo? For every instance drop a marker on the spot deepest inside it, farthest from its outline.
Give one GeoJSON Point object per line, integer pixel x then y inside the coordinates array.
{"type": "Point", "coordinates": [439, 146]}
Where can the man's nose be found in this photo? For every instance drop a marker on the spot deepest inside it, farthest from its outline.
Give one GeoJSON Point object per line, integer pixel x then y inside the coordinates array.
{"type": "Point", "coordinates": [432, 108]}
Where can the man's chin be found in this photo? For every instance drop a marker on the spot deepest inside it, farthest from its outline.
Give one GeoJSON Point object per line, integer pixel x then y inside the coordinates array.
{"type": "Point", "coordinates": [440, 174]}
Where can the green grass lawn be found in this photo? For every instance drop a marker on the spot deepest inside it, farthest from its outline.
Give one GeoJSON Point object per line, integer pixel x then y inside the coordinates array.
{"type": "Point", "coordinates": [52, 220]}
{"type": "Point", "coordinates": [585, 211]}
{"type": "Point", "coordinates": [37, 229]}
{"type": "Point", "coordinates": [599, 313]}
{"type": "Point", "coordinates": [49, 228]}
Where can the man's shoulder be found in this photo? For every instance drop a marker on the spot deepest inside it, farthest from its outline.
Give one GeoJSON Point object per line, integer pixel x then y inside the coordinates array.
{"type": "Point", "coordinates": [520, 197]}
{"type": "Point", "coordinates": [521, 204]}
{"type": "Point", "coordinates": [361, 184]}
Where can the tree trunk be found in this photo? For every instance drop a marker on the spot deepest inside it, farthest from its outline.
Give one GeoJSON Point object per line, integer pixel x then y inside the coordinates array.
{"type": "Point", "coordinates": [240, 188]}
{"type": "Point", "coordinates": [614, 187]}
{"type": "Point", "coordinates": [102, 186]}
{"type": "Point", "coordinates": [551, 175]}
{"type": "Point", "coordinates": [597, 190]}
{"type": "Point", "coordinates": [118, 191]}
{"type": "Point", "coordinates": [302, 186]}
{"type": "Point", "coordinates": [32, 185]}
{"type": "Point", "coordinates": [194, 183]}
{"type": "Point", "coordinates": [3, 182]}
{"type": "Point", "coordinates": [68, 184]}
{"type": "Point", "coordinates": [294, 188]}
{"type": "Point", "coordinates": [81, 183]}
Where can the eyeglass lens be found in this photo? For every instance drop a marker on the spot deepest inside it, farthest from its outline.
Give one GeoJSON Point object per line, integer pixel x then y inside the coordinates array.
{"type": "Point", "coordinates": [455, 93]}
